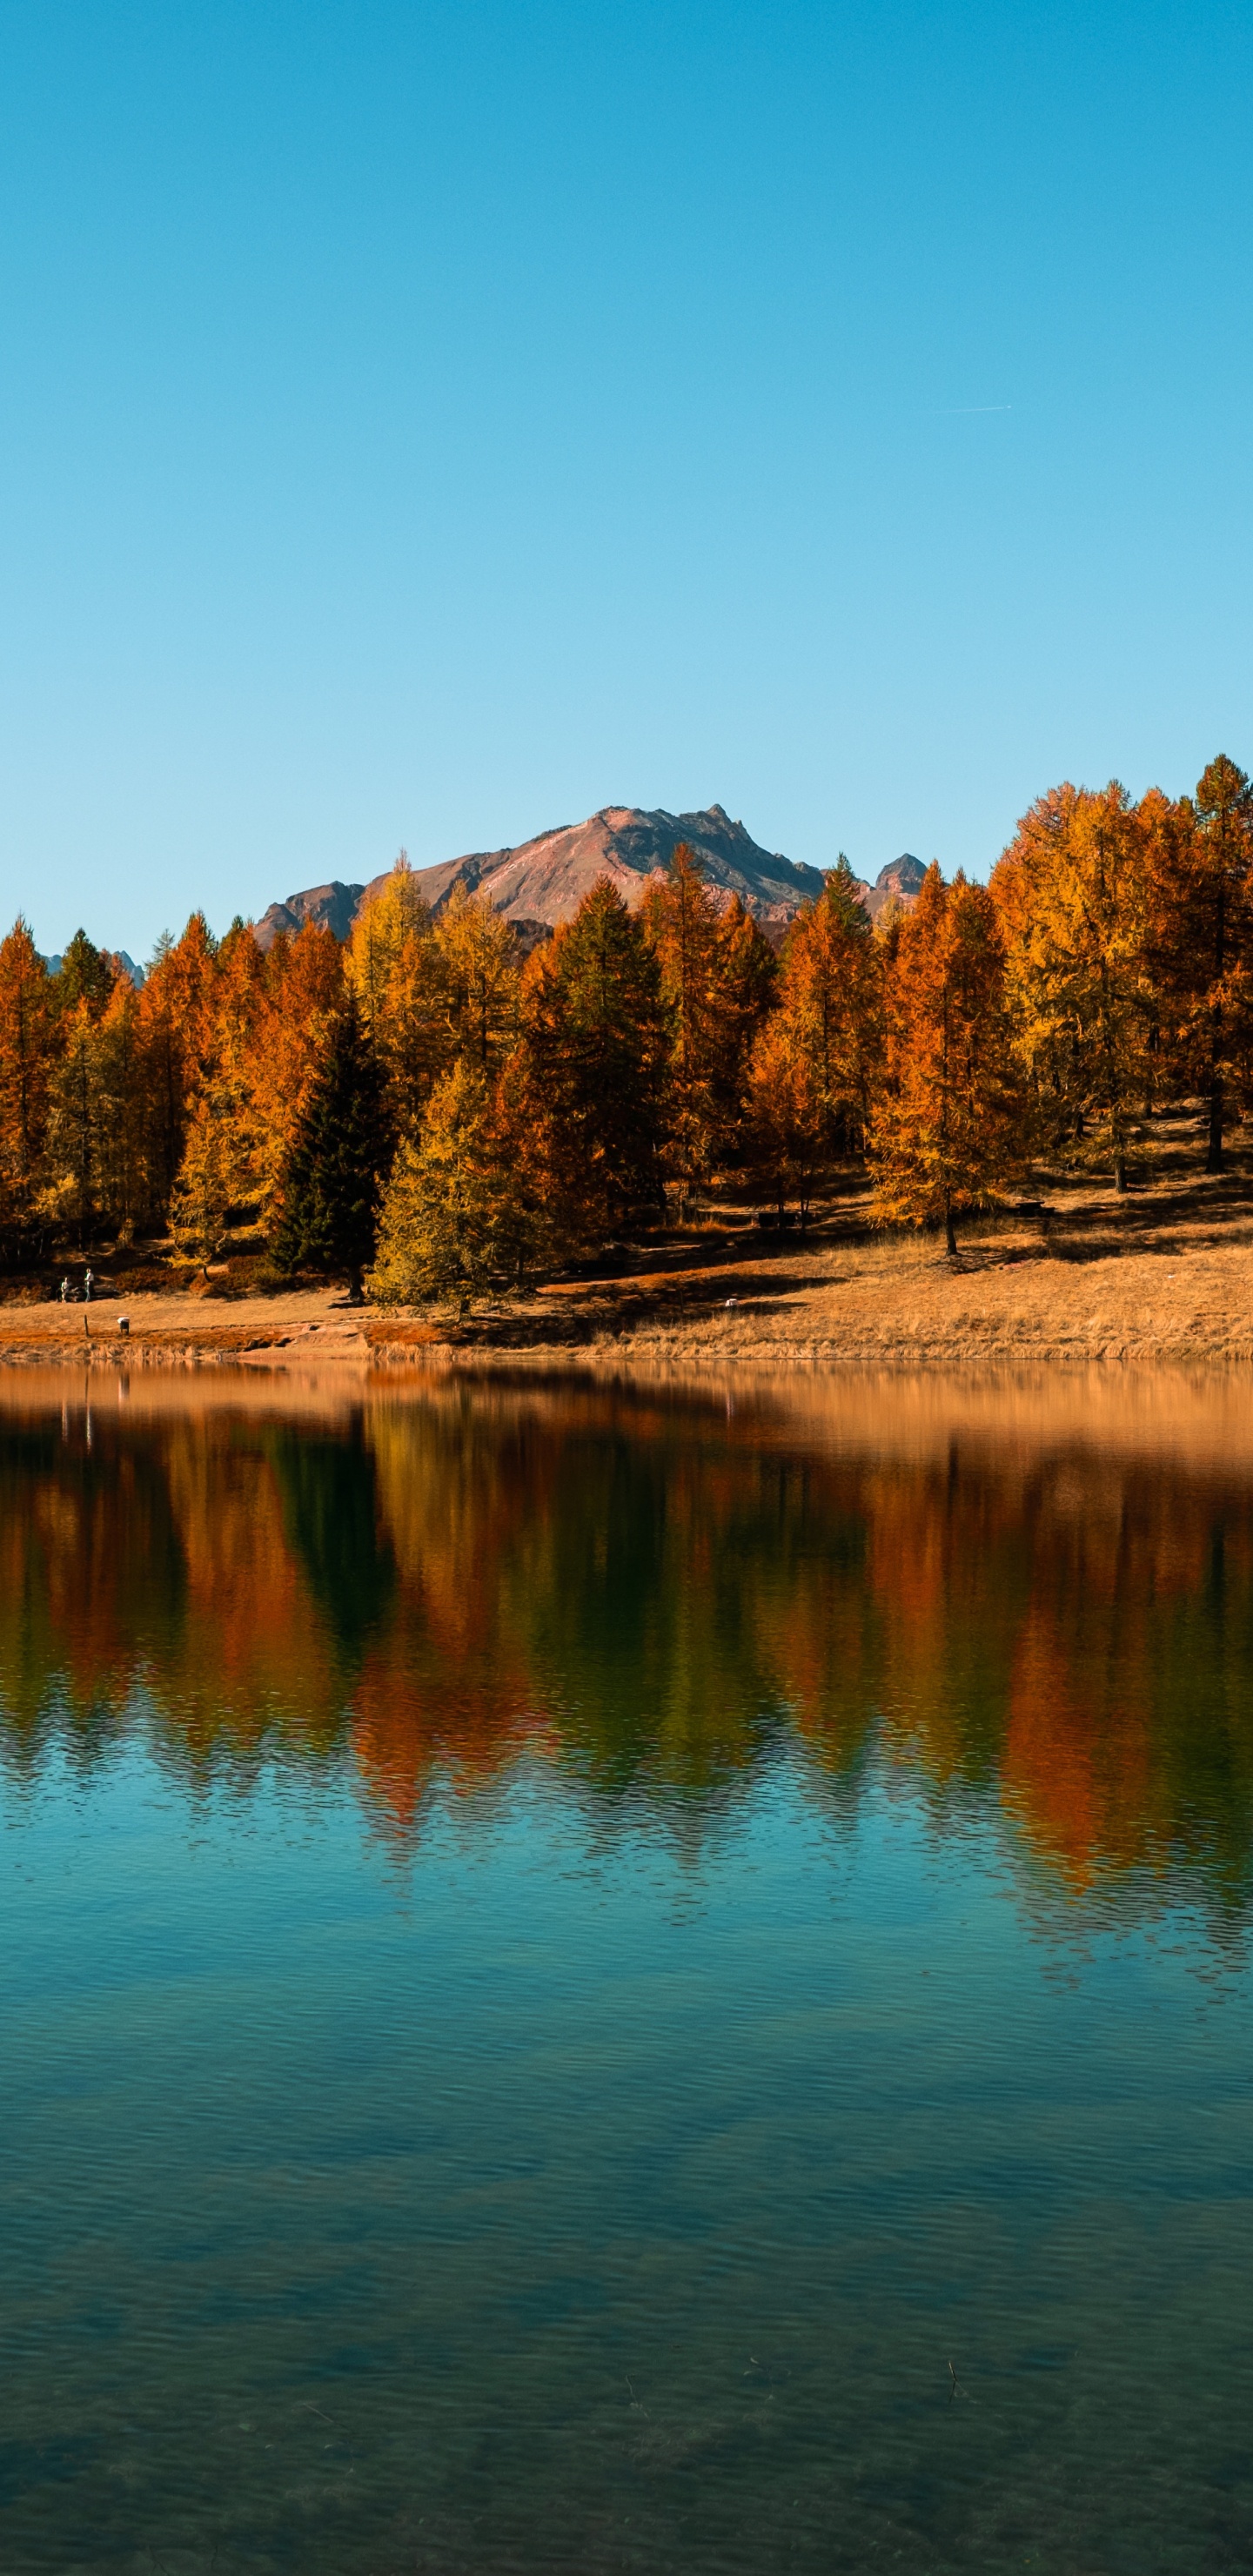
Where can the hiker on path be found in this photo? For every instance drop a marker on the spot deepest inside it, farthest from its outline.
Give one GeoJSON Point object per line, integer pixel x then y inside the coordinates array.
{"type": "Point", "coordinates": [88, 1284]}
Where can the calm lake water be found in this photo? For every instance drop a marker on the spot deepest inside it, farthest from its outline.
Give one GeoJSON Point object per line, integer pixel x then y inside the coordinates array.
{"type": "Point", "coordinates": [626, 1979]}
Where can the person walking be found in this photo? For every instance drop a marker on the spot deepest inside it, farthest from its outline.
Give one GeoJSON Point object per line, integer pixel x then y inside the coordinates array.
{"type": "Point", "coordinates": [65, 1292]}
{"type": "Point", "coordinates": [88, 1285]}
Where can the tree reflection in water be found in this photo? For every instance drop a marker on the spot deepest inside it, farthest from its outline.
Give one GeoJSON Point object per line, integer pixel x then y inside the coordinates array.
{"type": "Point", "coordinates": [659, 1593]}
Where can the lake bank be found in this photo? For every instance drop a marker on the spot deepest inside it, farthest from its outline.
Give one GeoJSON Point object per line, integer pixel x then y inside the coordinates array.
{"type": "Point", "coordinates": [1161, 1272]}
{"type": "Point", "coordinates": [1014, 1300]}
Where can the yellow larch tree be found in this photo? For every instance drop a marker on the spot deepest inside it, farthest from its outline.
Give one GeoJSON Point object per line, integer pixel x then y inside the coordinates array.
{"type": "Point", "coordinates": [1071, 895]}
{"type": "Point", "coordinates": [221, 1171]}
{"type": "Point", "coordinates": [785, 1113]}
{"type": "Point", "coordinates": [394, 968]}
{"type": "Point", "coordinates": [478, 975]}
{"type": "Point", "coordinates": [458, 1220]}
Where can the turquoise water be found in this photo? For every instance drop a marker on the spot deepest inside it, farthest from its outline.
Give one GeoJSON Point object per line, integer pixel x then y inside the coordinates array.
{"type": "Point", "coordinates": [581, 1995]}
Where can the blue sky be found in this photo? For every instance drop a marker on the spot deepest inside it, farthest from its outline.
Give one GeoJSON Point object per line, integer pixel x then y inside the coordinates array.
{"type": "Point", "coordinates": [426, 424]}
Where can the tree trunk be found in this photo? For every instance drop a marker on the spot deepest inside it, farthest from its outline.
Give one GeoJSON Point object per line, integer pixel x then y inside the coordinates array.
{"type": "Point", "coordinates": [1120, 1172]}
{"type": "Point", "coordinates": [950, 1237]}
{"type": "Point", "coordinates": [1214, 1155]}
{"type": "Point", "coordinates": [356, 1294]}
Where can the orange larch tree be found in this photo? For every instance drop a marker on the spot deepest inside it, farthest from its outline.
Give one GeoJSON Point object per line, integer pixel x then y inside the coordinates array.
{"type": "Point", "coordinates": [302, 994]}
{"type": "Point", "coordinates": [831, 996]}
{"type": "Point", "coordinates": [682, 920]}
{"type": "Point", "coordinates": [1202, 897]}
{"type": "Point", "coordinates": [948, 1125]}
{"type": "Point", "coordinates": [177, 1011]}
{"type": "Point", "coordinates": [28, 1038]}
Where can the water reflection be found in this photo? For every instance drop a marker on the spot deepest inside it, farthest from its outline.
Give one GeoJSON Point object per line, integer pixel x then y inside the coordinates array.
{"type": "Point", "coordinates": [656, 1590]}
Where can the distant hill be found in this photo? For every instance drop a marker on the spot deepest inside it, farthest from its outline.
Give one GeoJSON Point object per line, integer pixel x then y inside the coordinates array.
{"type": "Point", "coordinates": [136, 973]}
{"type": "Point", "coordinates": [542, 882]}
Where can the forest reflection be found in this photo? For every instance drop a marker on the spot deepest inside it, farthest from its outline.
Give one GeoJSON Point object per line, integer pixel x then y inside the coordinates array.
{"type": "Point", "coordinates": [656, 1595]}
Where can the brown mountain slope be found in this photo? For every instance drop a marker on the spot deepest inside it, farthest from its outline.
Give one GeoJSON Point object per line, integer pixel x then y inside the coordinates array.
{"type": "Point", "coordinates": [542, 882]}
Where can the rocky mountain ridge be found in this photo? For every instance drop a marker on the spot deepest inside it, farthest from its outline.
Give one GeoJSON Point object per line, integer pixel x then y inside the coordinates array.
{"type": "Point", "coordinates": [541, 882]}
{"type": "Point", "coordinates": [137, 974]}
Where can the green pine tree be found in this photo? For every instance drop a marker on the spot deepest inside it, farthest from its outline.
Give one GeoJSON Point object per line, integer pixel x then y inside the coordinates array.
{"type": "Point", "coordinates": [458, 1220]}
{"type": "Point", "coordinates": [594, 1031]}
{"type": "Point", "coordinates": [86, 975]}
{"type": "Point", "coordinates": [333, 1184]}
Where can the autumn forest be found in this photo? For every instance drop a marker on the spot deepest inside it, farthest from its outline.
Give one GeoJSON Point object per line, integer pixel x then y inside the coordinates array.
{"type": "Point", "coordinates": [425, 1113]}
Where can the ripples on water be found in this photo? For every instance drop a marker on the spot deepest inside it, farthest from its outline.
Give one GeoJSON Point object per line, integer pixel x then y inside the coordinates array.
{"type": "Point", "coordinates": [626, 1979]}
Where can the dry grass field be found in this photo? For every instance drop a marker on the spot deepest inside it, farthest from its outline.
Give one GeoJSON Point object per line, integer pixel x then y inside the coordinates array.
{"type": "Point", "coordinates": [1165, 1272]}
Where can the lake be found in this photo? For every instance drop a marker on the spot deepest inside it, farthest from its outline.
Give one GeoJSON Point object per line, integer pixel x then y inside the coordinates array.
{"type": "Point", "coordinates": [628, 1976]}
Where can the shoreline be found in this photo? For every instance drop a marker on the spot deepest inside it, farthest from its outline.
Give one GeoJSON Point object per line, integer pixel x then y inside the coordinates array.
{"type": "Point", "coordinates": [1159, 1275]}
{"type": "Point", "coordinates": [923, 1319]}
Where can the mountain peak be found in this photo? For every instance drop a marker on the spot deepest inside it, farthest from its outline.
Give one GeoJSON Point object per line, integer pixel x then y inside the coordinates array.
{"type": "Point", "coordinates": [541, 883]}
{"type": "Point", "coordinates": [898, 881]}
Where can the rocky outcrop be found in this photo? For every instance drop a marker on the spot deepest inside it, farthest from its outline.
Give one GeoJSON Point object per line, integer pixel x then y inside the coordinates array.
{"type": "Point", "coordinates": [334, 905]}
{"type": "Point", "coordinates": [897, 883]}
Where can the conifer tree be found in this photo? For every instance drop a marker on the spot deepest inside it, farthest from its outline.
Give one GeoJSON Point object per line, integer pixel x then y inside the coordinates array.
{"type": "Point", "coordinates": [86, 975]}
{"type": "Point", "coordinates": [28, 1038]}
{"type": "Point", "coordinates": [122, 1188]}
{"type": "Point", "coordinates": [747, 973]}
{"type": "Point", "coordinates": [1224, 804]}
{"type": "Point", "coordinates": [1202, 869]}
{"type": "Point", "coordinates": [333, 1183]}
{"type": "Point", "coordinates": [206, 1187]}
{"type": "Point", "coordinates": [478, 953]}
{"type": "Point", "coordinates": [683, 922]}
{"type": "Point", "coordinates": [391, 913]}
{"type": "Point", "coordinates": [830, 995]}
{"type": "Point", "coordinates": [1071, 894]}
{"type": "Point", "coordinates": [76, 1125]}
{"type": "Point", "coordinates": [302, 993]}
{"type": "Point", "coordinates": [1166, 827]}
{"type": "Point", "coordinates": [595, 1040]}
{"type": "Point", "coordinates": [93, 1158]}
{"type": "Point", "coordinates": [395, 968]}
{"type": "Point", "coordinates": [229, 1082]}
{"type": "Point", "coordinates": [948, 1129]}
{"type": "Point", "coordinates": [457, 1218]}
{"type": "Point", "coordinates": [786, 1112]}
{"type": "Point", "coordinates": [176, 1030]}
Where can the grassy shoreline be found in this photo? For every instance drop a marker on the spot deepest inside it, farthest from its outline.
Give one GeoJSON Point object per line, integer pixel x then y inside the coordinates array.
{"type": "Point", "coordinates": [1161, 1273]}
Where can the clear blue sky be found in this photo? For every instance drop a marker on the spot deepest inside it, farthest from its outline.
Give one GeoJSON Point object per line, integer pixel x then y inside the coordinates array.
{"type": "Point", "coordinates": [425, 424]}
